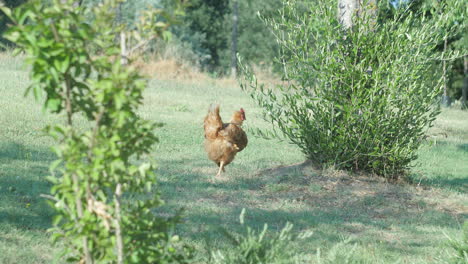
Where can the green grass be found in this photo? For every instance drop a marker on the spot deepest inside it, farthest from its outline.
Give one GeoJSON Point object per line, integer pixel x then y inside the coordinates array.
{"type": "Point", "coordinates": [380, 222]}
{"type": "Point", "coordinates": [442, 161]}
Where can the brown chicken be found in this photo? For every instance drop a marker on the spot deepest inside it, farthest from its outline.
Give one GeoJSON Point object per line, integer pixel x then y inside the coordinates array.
{"type": "Point", "coordinates": [224, 140]}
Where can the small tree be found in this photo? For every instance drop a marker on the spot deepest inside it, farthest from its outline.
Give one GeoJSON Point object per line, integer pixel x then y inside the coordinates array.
{"type": "Point", "coordinates": [355, 97]}
{"type": "Point", "coordinates": [76, 64]}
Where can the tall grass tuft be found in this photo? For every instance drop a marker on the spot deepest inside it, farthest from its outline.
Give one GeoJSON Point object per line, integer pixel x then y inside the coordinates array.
{"type": "Point", "coordinates": [461, 247]}
{"type": "Point", "coordinates": [259, 248]}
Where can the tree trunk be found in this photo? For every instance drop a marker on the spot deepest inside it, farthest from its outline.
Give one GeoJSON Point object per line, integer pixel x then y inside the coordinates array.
{"type": "Point", "coordinates": [77, 3]}
{"type": "Point", "coordinates": [235, 20]}
{"type": "Point", "coordinates": [465, 83]}
{"type": "Point", "coordinates": [123, 38]}
{"type": "Point", "coordinates": [118, 226]}
{"type": "Point", "coordinates": [123, 49]}
{"type": "Point", "coordinates": [445, 98]}
{"type": "Point", "coordinates": [347, 9]}
{"type": "Point", "coordinates": [444, 69]}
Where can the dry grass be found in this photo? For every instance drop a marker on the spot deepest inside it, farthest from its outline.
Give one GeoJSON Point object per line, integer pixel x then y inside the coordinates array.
{"type": "Point", "coordinates": [170, 69]}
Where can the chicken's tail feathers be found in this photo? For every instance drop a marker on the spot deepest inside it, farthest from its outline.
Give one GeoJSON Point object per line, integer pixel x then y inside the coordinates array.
{"type": "Point", "coordinates": [214, 109]}
{"type": "Point", "coordinates": [213, 122]}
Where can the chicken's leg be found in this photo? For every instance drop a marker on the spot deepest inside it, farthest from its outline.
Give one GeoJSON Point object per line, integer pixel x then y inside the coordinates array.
{"type": "Point", "coordinates": [221, 168]}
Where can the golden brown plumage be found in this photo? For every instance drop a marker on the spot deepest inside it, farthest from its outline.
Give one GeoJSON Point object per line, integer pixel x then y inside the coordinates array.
{"type": "Point", "coordinates": [224, 140]}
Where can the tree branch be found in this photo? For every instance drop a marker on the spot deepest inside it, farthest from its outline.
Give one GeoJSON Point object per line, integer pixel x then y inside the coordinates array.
{"type": "Point", "coordinates": [53, 198]}
{"type": "Point", "coordinates": [117, 222]}
{"type": "Point", "coordinates": [140, 45]}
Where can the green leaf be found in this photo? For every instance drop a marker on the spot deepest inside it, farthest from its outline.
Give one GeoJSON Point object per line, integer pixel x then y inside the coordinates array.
{"type": "Point", "coordinates": [167, 35]}
{"type": "Point", "coordinates": [6, 11]}
{"type": "Point", "coordinates": [13, 36]}
{"type": "Point", "coordinates": [54, 165]}
{"type": "Point", "coordinates": [53, 104]}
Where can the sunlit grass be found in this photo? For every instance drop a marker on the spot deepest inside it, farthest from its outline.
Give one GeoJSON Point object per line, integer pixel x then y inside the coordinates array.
{"type": "Point", "coordinates": [382, 222]}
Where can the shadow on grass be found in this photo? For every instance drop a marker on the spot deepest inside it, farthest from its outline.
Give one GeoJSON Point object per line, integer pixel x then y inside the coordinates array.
{"type": "Point", "coordinates": [22, 180]}
{"type": "Point", "coordinates": [463, 147]}
{"type": "Point", "coordinates": [337, 207]}
{"type": "Point", "coordinates": [458, 184]}
{"type": "Point", "coordinates": [10, 151]}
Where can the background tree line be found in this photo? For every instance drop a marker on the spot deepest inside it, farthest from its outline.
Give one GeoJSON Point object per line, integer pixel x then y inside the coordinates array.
{"type": "Point", "coordinates": [204, 36]}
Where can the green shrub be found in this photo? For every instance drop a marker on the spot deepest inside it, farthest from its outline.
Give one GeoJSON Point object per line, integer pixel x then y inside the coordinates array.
{"type": "Point", "coordinates": [359, 98]}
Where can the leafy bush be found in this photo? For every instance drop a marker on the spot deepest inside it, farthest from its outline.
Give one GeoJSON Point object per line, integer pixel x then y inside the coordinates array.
{"type": "Point", "coordinates": [259, 248]}
{"type": "Point", "coordinates": [76, 65]}
{"type": "Point", "coordinates": [358, 98]}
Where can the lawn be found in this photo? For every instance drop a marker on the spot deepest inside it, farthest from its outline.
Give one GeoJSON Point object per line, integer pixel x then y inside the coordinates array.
{"type": "Point", "coordinates": [364, 217]}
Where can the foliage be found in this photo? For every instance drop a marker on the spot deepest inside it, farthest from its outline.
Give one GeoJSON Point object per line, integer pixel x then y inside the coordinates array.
{"type": "Point", "coordinates": [76, 65]}
{"type": "Point", "coordinates": [457, 19]}
{"type": "Point", "coordinates": [205, 26]}
{"type": "Point", "coordinates": [4, 19]}
{"type": "Point", "coordinates": [456, 41]}
{"type": "Point", "coordinates": [254, 33]}
{"type": "Point", "coordinates": [357, 99]}
{"type": "Point", "coordinates": [207, 30]}
{"type": "Point", "coordinates": [259, 248]}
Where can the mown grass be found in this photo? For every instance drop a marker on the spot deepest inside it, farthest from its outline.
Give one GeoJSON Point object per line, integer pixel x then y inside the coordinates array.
{"type": "Point", "coordinates": [367, 218]}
